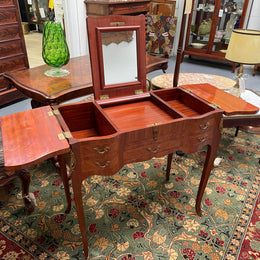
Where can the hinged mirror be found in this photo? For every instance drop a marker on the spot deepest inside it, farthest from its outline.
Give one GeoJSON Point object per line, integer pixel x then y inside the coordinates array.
{"type": "Point", "coordinates": [118, 56]}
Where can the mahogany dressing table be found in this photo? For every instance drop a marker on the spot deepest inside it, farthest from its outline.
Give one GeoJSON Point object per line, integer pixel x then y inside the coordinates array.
{"type": "Point", "coordinates": [124, 124]}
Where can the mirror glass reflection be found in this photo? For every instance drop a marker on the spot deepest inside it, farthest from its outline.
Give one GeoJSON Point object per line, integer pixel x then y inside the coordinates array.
{"type": "Point", "coordinates": [119, 57]}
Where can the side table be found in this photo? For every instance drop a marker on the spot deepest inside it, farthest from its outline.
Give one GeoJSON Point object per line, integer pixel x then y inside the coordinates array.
{"type": "Point", "coordinates": [45, 90]}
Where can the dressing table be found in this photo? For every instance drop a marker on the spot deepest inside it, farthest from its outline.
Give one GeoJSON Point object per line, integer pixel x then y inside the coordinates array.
{"type": "Point", "coordinates": [123, 124]}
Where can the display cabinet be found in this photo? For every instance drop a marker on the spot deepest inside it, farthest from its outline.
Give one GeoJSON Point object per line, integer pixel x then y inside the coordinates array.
{"type": "Point", "coordinates": [210, 25]}
{"type": "Point", "coordinates": [37, 11]}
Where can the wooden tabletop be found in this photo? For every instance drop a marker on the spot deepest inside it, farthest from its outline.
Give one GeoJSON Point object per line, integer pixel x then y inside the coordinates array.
{"type": "Point", "coordinates": [54, 90]}
{"type": "Point", "coordinates": [23, 134]}
{"type": "Point", "coordinates": [230, 104]}
{"type": "Point", "coordinates": [34, 84]}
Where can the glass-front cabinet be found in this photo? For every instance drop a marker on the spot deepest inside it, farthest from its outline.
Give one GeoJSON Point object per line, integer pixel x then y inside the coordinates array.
{"type": "Point", "coordinates": [210, 25]}
{"type": "Point", "coordinates": [37, 11]}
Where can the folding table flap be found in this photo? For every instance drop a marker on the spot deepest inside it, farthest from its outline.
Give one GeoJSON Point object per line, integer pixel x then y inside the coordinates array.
{"type": "Point", "coordinates": [230, 104]}
{"type": "Point", "coordinates": [31, 137]}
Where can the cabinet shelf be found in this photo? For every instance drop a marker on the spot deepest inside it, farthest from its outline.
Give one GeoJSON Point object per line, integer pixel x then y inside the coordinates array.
{"type": "Point", "coordinates": [213, 27]}
{"type": "Point", "coordinates": [37, 11]}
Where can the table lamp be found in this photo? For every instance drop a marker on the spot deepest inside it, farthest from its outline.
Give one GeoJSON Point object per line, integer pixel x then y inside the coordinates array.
{"type": "Point", "coordinates": [243, 48]}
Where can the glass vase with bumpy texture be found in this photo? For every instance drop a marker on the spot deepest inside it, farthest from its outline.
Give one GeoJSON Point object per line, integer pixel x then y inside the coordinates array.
{"type": "Point", "coordinates": [55, 52]}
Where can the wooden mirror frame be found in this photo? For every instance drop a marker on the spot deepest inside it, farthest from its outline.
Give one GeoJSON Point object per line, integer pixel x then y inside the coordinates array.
{"type": "Point", "coordinates": [98, 25]}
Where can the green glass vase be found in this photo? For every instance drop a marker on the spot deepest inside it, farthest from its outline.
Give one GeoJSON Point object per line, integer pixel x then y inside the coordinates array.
{"type": "Point", "coordinates": [55, 52]}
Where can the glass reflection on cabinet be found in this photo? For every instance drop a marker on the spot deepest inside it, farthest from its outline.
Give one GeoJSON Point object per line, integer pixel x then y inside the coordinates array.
{"type": "Point", "coordinates": [224, 15]}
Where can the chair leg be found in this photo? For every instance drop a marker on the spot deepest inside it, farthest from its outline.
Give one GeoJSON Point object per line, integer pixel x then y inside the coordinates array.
{"type": "Point", "coordinates": [169, 163]}
{"type": "Point", "coordinates": [29, 201]}
{"type": "Point", "coordinates": [237, 129]}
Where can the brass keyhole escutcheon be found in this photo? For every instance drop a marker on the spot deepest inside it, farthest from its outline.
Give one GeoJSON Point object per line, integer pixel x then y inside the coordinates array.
{"type": "Point", "coordinates": [155, 134]}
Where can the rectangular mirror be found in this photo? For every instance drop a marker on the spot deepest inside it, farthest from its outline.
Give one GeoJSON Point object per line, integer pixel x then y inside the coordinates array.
{"type": "Point", "coordinates": [119, 57]}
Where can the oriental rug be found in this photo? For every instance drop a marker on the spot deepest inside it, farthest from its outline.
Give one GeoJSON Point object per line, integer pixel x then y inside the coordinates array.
{"type": "Point", "coordinates": [135, 214]}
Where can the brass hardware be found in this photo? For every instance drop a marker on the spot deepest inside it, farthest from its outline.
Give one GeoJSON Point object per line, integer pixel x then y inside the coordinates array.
{"type": "Point", "coordinates": [104, 165]}
{"type": "Point", "coordinates": [155, 150]}
{"type": "Point", "coordinates": [154, 124]}
{"type": "Point", "coordinates": [138, 91]}
{"type": "Point", "coordinates": [221, 125]}
{"type": "Point", "coordinates": [67, 134]}
{"type": "Point", "coordinates": [155, 133]}
{"type": "Point", "coordinates": [70, 162]}
{"type": "Point", "coordinates": [187, 90]}
{"type": "Point", "coordinates": [204, 127]}
{"type": "Point", "coordinates": [102, 97]}
{"type": "Point", "coordinates": [214, 105]}
{"type": "Point", "coordinates": [54, 112]}
{"type": "Point", "coordinates": [148, 84]}
{"type": "Point", "coordinates": [61, 136]}
{"type": "Point", "coordinates": [106, 149]}
{"type": "Point", "coordinates": [117, 23]}
{"type": "Point", "coordinates": [203, 139]}
{"type": "Point", "coordinates": [64, 135]}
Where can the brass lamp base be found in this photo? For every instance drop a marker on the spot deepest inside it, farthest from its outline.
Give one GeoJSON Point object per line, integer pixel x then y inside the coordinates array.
{"type": "Point", "coordinates": [237, 89]}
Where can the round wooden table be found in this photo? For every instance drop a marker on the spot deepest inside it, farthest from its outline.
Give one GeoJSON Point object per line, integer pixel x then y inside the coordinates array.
{"type": "Point", "coordinates": [166, 80]}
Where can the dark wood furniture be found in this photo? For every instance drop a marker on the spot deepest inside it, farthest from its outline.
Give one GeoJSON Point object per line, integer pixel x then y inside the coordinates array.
{"type": "Point", "coordinates": [162, 7]}
{"type": "Point", "coordinates": [13, 55]}
{"type": "Point", "coordinates": [110, 7]}
{"type": "Point", "coordinates": [212, 42]}
{"type": "Point", "coordinates": [43, 90]}
{"type": "Point", "coordinates": [256, 68]}
{"type": "Point", "coordinates": [52, 91]}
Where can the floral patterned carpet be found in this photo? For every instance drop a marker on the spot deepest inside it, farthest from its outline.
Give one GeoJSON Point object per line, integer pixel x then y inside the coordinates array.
{"type": "Point", "coordinates": [136, 214]}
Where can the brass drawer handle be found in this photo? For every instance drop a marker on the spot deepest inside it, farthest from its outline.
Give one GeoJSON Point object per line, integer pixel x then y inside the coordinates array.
{"type": "Point", "coordinates": [204, 127]}
{"type": "Point", "coordinates": [203, 139]}
{"type": "Point", "coordinates": [155, 150]}
{"type": "Point", "coordinates": [104, 165]}
{"type": "Point", "coordinates": [98, 150]}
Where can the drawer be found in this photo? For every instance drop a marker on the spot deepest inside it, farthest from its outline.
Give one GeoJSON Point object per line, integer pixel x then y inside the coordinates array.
{"type": "Point", "coordinates": [200, 132]}
{"type": "Point", "coordinates": [128, 8]}
{"type": "Point", "coordinates": [9, 33]}
{"type": "Point", "coordinates": [8, 16]}
{"type": "Point", "coordinates": [3, 3]}
{"type": "Point", "coordinates": [10, 49]}
{"type": "Point", "coordinates": [99, 156]}
{"type": "Point", "coordinates": [4, 83]}
{"type": "Point", "coordinates": [152, 142]}
{"type": "Point", "coordinates": [13, 64]}
{"type": "Point", "coordinates": [200, 126]}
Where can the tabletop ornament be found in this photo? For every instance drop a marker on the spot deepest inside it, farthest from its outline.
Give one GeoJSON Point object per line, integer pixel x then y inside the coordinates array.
{"type": "Point", "coordinates": [55, 52]}
{"type": "Point", "coordinates": [243, 48]}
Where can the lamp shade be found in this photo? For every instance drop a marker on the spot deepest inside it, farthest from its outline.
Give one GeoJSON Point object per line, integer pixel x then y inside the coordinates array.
{"type": "Point", "coordinates": [244, 47]}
